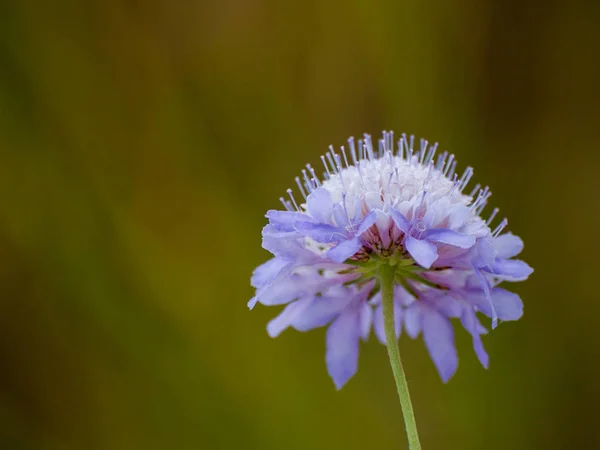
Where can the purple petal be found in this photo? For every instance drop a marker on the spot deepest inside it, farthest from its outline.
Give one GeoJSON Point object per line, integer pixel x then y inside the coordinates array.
{"type": "Point", "coordinates": [507, 305]}
{"type": "Point", "coordinates": [401, 222]}
{"type": "Point", "coordinates": [265, 273]}
{"type": "Point", "coordinates": [508, 245]}
{"type": "Point", "coordinates": [471, 324]}
{"type": "Point", "coordinates": [486, 254]}
{"type": "Point", "coordinates": [320, 205]}
{"type": "Point", "coordinates": [510, 269]}
{"type": "Point", "coordinates": [439, 339]}
{"type": "Point", "coordinates": [485, 286]}
{"type": "Point", "coordinates": [423, 252]}
{"type": "Point", "coordinates": [285, 220]}
{"type": "Point", "coordinates": [319, 312]}
{"type": "Point", "coordinates": [283, 320]}
{"type": "Point", "coordinates": [284, 290]}
{"type": "Point", "coordinates": [340, 216]}
{"type": "Point", "coordinates": [342, 347]}
{"type": "Point", "coordinates": [366, 223]}
{"type": "Point", "coordinates": [413, 320]}
{"type": "Point", "coordinates": [321, 232]}
{"type": "Point", "coordinates": [450, 237]}
{"type": "Point", "coordinates": [345, 250]}
{"type": "Point", "coordinates": [366, 320]}
{"type": "Point", "coordinates": [306, 314]}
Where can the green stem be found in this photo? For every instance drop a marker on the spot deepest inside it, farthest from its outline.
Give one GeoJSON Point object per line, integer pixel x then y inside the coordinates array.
{"type": "Point", "coordinates": [386, 277]}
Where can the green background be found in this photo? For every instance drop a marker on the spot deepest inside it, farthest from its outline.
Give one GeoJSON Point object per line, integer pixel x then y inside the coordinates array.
{"type": "Point", "coordinates": [141, 144]}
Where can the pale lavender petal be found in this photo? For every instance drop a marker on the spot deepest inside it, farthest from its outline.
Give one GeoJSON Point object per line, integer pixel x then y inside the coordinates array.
{"type": "Point", "coordinates": [285, 220]}
{"type": "Point", "coordinates": [285, 318]}
{"type": "Point", "coordinates": [401, 222]}
{"type": "Point", "coordinates": [510, 269]}
{"type": "Point", "coordinates": [485, 252]}
{"type": "Point", "coordinates": [340, 216]}
{"type": "Point", "coordinates": [366, 320]}
{"type": "Point", "coordinates": [439, 339]}
{"type": "Point", "coordinates": [321, 232]}
{"type": "Point", "coordinates": [508, 245]}
{"type": "Point", "coordinates": [345, 250]}
{"type": "Point", "coordinates": [366, 223]}
{"type": "Point", "coordinates": [319, 312]}
{"type": "Point", "coordinates": [508, 305]}
{"type": "Point", "coordinates": [487, 291]}
{"type": "Point", "coordinates": [450, 237]}
{"type": "Point", "coordinates": [265, 273]}
{"type": "Point", "coordinates": [423, 252]}
{"type": "Point", "coordinates": [413, 320]}
{"type": "Point", "coordinates": [471, 324]}
{"type": "Point", "coordinates": [342, 347]}
{"type": "Point", "coordinates": [320, 205]}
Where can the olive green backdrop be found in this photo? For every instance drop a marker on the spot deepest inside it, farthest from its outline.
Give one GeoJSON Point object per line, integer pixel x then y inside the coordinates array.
{"type": "Point", "coordinates": [141, 144]}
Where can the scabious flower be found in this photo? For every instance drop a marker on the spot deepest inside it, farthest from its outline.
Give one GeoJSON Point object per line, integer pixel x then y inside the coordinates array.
{"type": "Point", "coordinates": [388, 206]}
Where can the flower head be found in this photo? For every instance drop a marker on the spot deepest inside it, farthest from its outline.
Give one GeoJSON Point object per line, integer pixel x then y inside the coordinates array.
{"type": "Point", "coordinates": [388, 206]}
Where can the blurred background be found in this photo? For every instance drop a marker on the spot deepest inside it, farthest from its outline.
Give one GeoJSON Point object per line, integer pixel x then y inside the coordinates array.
{"type": "Point", "coordinates": [141, 144]}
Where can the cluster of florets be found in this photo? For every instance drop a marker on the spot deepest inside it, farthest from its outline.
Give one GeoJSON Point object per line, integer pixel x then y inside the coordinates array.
{"type": "Point", "coordinates": [390, 206]}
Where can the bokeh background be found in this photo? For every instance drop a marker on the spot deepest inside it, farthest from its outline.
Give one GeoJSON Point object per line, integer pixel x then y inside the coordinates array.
{"type": "Point", "coordinates": [141, 144]}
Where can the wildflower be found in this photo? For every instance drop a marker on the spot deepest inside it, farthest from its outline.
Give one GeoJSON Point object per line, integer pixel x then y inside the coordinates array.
{"type": "Point", "coordinates": [390, 206]}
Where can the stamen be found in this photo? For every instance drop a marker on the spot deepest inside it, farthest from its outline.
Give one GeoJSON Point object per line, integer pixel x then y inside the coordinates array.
{"type": "Point", "coordinates": [475, 189]}
{"type": "Point", "coordinates": [448, 165]}
{"type": "Point", "coordinates": [300, 187]}
{"type": "Point", "coordinates": [492, 216]}
{"type": "Point", "coordinates": [325, 165]}
{"type": "Point", "coordinates": [441, 161]}
{"type": "Point", "coordinates": [315, 178]}
{"type": "Point", "coordinates": [400, 148]}
{"type": "Point", "coordinates": [369, 146]}
{"type": "Point", "coordinates": [286, 204]}
{"type": "Point", "coordinates": [466, 177]}
{"type": "Point", "coordinates": [330, 159]}
{"type": "Point", "coordinates": [422, 150]}
{"type": "Point", "coordinates": [452, 168]}
{"type": "Point", "coordinates": [345, 159]}
{"type": "Point", "coordinates": [431, 153]}
{"type": "Point", "coordinates": [291, 194]}
{"type": "Point", "coordinates": [307, 182]}
{"type": "Point", "coordinates": [500, 227]}
{"type": "Point", "coordinates": [352, 150]}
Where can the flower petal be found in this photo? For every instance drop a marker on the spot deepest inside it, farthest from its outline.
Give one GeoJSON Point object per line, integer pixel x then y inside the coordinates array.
{"type": "Point", "coordinates": [510, 269]}
{"type": "Point", "coordinates": [423, 252]}
{"type": "Point", "coordinates": [401, 222]}
{"type": "Point", "coordinates": [342, 347]}
{"type": "Point", "coordinates": [507, 305]}
{"type": "Point", "coordinates": [265, 273]}
{"type": "Point", "coordinates": [366, 223]}
{"type": "Point", "coordinates": [413, 320]}
{"type": "Point", "coordinates": [508, 245]}
{"type": "Point", "coordinates": [345, 250]}
{"type": "Point", "coordinates": [285, 318]}
{"type": "Point", "coordinates": [450, 237]}
{"type": "Point", "coordinates": [321, 232]}
{"type": "Point", "coordinates": [320, 205]}
{"type": "Point", "coordinates": [471, 324]}
{"type": "Point", "coordinates": [439, 339]}
{"type": "Point", "coordinates": [285, 220]}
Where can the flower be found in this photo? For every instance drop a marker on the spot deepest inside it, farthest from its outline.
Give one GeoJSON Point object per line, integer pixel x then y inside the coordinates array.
{"type": "Point", "coordinates": [390, 206]}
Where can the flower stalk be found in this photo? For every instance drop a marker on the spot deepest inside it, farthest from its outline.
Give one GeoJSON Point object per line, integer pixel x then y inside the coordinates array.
{"type": "Point", "coordinates": [387, 275]}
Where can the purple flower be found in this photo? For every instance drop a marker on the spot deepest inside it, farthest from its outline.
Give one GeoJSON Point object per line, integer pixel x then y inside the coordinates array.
{"type": "Point", "coordinates": [398, 207]}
